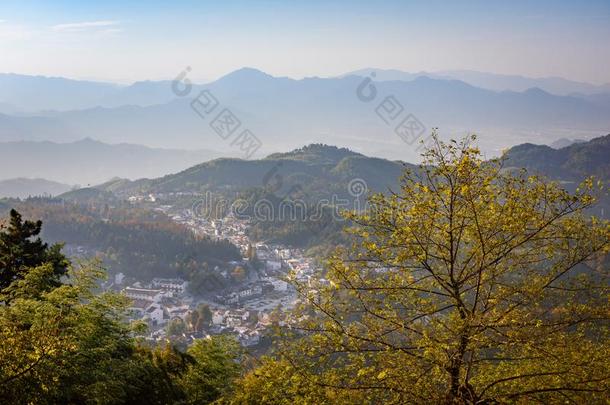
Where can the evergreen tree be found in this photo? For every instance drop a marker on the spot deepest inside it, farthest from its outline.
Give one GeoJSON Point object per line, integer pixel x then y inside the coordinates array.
{"type": "Point", "coordinates": [21, 249]}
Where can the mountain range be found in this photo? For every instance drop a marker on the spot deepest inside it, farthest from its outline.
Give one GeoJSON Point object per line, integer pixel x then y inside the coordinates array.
{"type": "Point", "coordinates": [285, 113]}
{"type": "Point", "coordinates": [317, 172]}
{"type": "Point", "coordinates": [316, 169]}
{"type": "Point", "coordinates": [313, 173]}
{"type": "Point", "coordinates": [493, 81]}
{"type": "Point", "coordinates": [23, 93]}
{"type": "Point", "coordinates": [91, 162]}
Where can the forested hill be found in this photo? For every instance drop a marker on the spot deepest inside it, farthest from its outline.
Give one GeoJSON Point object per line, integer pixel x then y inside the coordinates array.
{"type": "Point", "coordinates": [571, 163]}
{"type": "Point", "coordinates": [140, 243]}
{"type": "Point", "coordinates": [317, 169]}
{"type": "Point", "coordinates": [321, 169]}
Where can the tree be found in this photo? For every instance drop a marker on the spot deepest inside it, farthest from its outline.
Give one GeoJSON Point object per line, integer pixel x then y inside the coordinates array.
{"type": "Point", "coordinates": [200, 325]}
{"type": "Point", "coordinates": [21, 250]}
{"type": "Point", "coordinates": [200, 318]}
{"type": "Point", "coordinates": [69, 345]}
{"type": "Point", "coordinates": [153, 376]}
{"type": "Point", "coordinates": [472, 284]}
{"type": "Point", "coordinates": [64, 341]}
{"type": "Point", "coordinates": [215, 367]}
{"type": "Point", "coordinates": [64, 345]}
{"type": "Point", "coordinates": [176, 327]}
{"type": "Point", "coordinates": [193, 319]}
{"type": "Point", "coordinates": [276, 381]}
{"type": "Point", "coordinates": [205, 314]}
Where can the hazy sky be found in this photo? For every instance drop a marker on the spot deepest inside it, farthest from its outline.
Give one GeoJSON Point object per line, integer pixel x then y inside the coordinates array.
{"type": "Point", "coordinates": [126, 41]}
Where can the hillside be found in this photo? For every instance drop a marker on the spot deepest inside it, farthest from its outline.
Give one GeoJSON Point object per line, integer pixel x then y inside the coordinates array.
{"type": "Point", "coordinates": [23, 188]}
{"type": "Point", "coordinates": [86, 195]}
{"type": "Point", "coordinates": [317, 168]}
{"type": "Point", "coordinates": [321, 169]}
{"type": "Point", "coordinates": [571, 163]}
{"type": "Point", "coordinates": [316, 154]}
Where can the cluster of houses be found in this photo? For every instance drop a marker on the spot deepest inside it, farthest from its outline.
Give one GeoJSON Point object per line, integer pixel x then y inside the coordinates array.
{"type": "Point", "coordinates": [243, 311]}
{"type": "Point", "coordinates": [159, 302]}
{"type": "Point", "coordinates": [228, 228]}
{"type": "Point", "coordinates": [248, 326]}
{"type": "Point", "coordinates": [231, 229]}
{"type": "Point", "coordinates": [164, 300]}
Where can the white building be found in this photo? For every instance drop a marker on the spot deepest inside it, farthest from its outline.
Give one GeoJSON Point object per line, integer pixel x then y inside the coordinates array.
{"type": "Point", "coordinates": [173, 285]}
{"type": "Point", "coordinates": [178, 312]}
{"type": "Point", "coordinates": [143, 294]}
{"type": "Point", "coordinates": [155, 314]}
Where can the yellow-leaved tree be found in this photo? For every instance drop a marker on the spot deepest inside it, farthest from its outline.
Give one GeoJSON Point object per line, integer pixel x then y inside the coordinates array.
{"type": "Point", "coordinates": [473, 284]}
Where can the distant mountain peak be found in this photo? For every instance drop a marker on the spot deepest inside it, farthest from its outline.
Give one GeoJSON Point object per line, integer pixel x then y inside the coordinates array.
{"type": "Point", "coordinates": [246, 73]}
{"type": "Point", "coordinates": [87, 141]}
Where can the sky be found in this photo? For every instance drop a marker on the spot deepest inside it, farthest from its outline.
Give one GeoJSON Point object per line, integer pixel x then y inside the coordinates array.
{"type": "Point", "coordinates": [125, 41]}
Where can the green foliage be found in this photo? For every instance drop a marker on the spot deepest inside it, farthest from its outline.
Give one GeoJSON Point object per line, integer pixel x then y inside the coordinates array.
{"type": "Point", "coordinates": [279, 382]}
{"type": "Point", "coordinates": [153, 376]}
{"type": "Point", "coordinates": [204, 315]}
{"type": "Point", "coordinates": [21, 249]}
{"type": "Point", "coordinates": [61, 345]}
{"type": "Point", "coordinates": [215, 367]}
{"type": "Point", "coordinates": [64, 341]}
{"type": "Point", "coordinates": [88, 195]}
{"type": "Point", "coordinates": [470, 285]}
{"type": "Point", "coordinates": [175, 327]}
{"type": "Point", "coordinates": [205, 279]}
